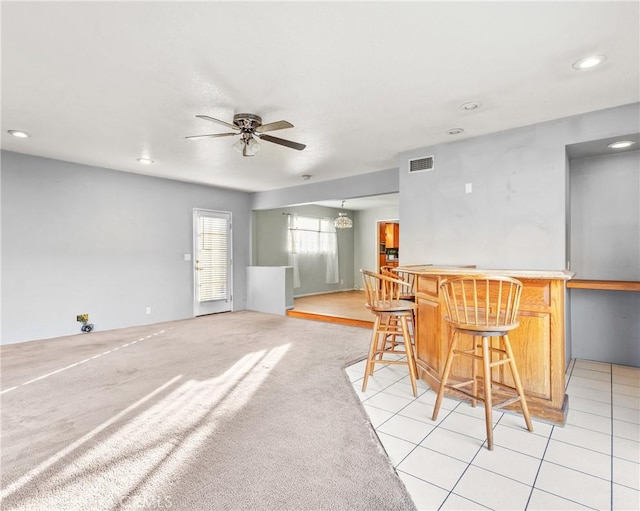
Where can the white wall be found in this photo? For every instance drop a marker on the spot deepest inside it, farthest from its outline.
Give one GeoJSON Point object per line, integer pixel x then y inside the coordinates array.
{"type": "Point", "coordinates": [79, 239]}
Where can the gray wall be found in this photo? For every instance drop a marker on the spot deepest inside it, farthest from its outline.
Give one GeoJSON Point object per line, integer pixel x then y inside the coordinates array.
{"type": "Point", "coordinates": [269, 236]}
{"type": "Point", "coordinates": [605, 245]}
{"type": "Point", "coordinates": [516, 216]}
{"type": "Point", "coordinates": [362, 185]}
{"type": "Point", "coordinates": [366, 239]}
{"type": "Point", "coordinates": [605, 213]}
{"type": "Point", "coordinates": [605, 326]}
{"type": "Point", "coordinates": [79, 239]}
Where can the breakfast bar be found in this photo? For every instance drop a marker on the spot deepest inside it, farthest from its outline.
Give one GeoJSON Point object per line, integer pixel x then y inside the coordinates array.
{"type": "Point", "coordinates": [538, 343]}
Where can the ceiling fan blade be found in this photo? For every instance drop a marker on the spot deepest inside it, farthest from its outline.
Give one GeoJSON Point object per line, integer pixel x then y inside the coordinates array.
{"type": "Point", "coordinates": [207, 118]}
{"type": "Point", "coordinates": [282, 141]}
{"type": "Point", "coordinates": [278, 125]}
{"type": "Point", "coordinates": [214, 135]}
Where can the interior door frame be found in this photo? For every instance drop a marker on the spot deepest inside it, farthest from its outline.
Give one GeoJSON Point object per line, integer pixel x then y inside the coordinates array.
{"type": "Point", "coordinates": [379, 241]}
{"type": "Point", "coordinates": [214, 306]}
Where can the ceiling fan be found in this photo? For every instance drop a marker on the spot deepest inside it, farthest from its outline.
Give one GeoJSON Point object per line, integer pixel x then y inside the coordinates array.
{"type": "Point", "coordinates": [250, 127]}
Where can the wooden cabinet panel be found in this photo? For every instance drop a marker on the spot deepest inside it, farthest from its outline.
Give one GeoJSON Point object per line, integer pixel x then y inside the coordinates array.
{"type": "Point", "coordinates": [531, 344]}
{"type": "Point", "coordinates": [536, 293]}
{"type": "Point", "coordinates": [538, 343]}
{"type": "Point", "coordinates": [382, 261]}
{"type": "Point", "coordinates": [428, 285]}
{"type": "Point", "coordinates": [428, 327]}
{"type": "Point", "coordinates": [392, 235]}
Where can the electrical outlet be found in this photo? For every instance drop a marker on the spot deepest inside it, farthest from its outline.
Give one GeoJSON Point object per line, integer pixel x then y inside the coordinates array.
{"type": "Point", "coordinates": [148, 310]}
{"type": "Point", "coordinates": [82, 318]}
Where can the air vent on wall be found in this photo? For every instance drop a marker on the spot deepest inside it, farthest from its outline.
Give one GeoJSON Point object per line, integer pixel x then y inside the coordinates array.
{"type": "Point", "coordinates": [421, 164]}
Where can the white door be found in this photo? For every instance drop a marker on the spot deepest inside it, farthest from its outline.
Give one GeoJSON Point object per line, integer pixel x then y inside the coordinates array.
{"type": "Point", "coordinates": [212, 262]}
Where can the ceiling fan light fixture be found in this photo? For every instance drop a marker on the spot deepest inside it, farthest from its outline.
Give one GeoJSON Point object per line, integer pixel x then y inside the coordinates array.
{"type": "Point", "coordinates": [252, 147]}
{"type": "Point", "coordinates": [251, 129]}
{"type": "Point", "coordinates": [239, 146]}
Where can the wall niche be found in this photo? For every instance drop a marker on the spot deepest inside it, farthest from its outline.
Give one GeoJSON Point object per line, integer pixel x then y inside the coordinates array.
{"type": "Point", "coordinates": [604, 245]}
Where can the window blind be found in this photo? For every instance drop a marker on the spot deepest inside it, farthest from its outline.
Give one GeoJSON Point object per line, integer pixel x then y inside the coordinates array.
{"type": "Point", "coordinates": [213, 259]}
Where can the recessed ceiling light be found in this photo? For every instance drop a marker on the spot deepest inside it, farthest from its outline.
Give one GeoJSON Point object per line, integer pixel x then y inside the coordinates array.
{"type": "Point", "coordinates": [470, 105]}
{"type": "Point", "coordinates": [621, 144]}
{"type": "Point", "coordinates": [455, 131]}
{"type": "Point", "coordinates": [18, 133]}
{"type": "Point", "coordinates": [306, 177]}
{"type": "Point", "coordinates": [589, 62]}
{"type": "Point", "coordinates": [145, 161]}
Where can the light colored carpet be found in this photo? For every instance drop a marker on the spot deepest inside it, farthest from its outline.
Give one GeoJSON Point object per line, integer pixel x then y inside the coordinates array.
{"type": "Point", "coordinates": [232, 411]}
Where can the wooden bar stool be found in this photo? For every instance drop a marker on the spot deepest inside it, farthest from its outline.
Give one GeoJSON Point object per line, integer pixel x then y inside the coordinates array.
{"type": "Point", "coordinates": [483, 307]}
{"type": "Point", "coordinates": [409, 291]}
{"type": "Point", "coordinates": [392, 322]}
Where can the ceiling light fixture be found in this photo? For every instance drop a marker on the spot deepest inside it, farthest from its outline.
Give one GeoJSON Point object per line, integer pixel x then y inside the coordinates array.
{"type": "Point", "coordinates": [343, 221]}
{"type": "Point", "coordinates": [251, 129]}
{"type": "Point", "coordinates": [455, 131]}
{"type": "Point", "coordinates": [247, 145]}
{"type": "Point", "coordinates": [239, 145]}
{"type": "Point", "coordinates": [252, 147]}
{"type": "Point", "coordinates": [145, 161]}
{"type": "Point", "coordinates": [621, 144]}
{"type": "Point", "coordinates": [306, 177]}
{"type": "Point", "coordinates": [18, 133]}
{"type": "Point", "coordinates": [470, 105]}
{"type": "Point", "coordinates": [589, 62]}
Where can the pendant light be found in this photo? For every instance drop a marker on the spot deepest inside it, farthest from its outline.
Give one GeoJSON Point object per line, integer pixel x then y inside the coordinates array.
{"type": "Point", "coordinates": [343, 221]}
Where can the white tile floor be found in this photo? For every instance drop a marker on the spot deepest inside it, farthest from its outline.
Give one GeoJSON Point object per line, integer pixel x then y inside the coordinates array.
{"type": "Point", "coordinates": [593, 462]}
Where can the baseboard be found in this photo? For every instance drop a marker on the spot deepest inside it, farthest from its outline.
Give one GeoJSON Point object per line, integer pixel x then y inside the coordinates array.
{"type": "Point", "coordinates": [326, 292]}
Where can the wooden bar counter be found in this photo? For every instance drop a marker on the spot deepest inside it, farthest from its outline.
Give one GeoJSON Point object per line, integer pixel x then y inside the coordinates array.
{"type": "Point", "coordinates": [538, 343]}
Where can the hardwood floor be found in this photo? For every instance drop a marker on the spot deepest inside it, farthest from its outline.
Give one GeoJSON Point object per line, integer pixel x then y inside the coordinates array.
{"type": "Point", "coordinates": [346, 307]}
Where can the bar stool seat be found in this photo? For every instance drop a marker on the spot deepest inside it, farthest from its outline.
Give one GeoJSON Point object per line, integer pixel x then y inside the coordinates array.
{"type": "Point", "coordinates": [484, 308]}
{"type": "Point", "coordinates": [393, 316]}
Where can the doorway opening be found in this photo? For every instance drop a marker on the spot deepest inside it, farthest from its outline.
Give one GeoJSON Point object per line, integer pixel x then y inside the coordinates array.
{"type": "Point", "coordinates": [388, 243]}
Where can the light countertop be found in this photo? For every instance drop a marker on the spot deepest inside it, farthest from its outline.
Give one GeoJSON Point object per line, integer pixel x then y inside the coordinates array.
{"type": "Point", "coordinates": [428, 269]}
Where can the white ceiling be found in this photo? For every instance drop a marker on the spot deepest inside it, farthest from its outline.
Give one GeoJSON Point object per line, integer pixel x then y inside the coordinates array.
{"type": "Point", "coordinates": [105, 83]}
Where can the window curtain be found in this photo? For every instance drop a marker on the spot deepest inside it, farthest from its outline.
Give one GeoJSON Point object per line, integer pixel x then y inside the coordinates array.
{"type": "Point", "coordinates": [292, 243]}
{"type": "Point", "coordinates": [309, 237]}
{"type": "Point", "coordinates": [328, 231]}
